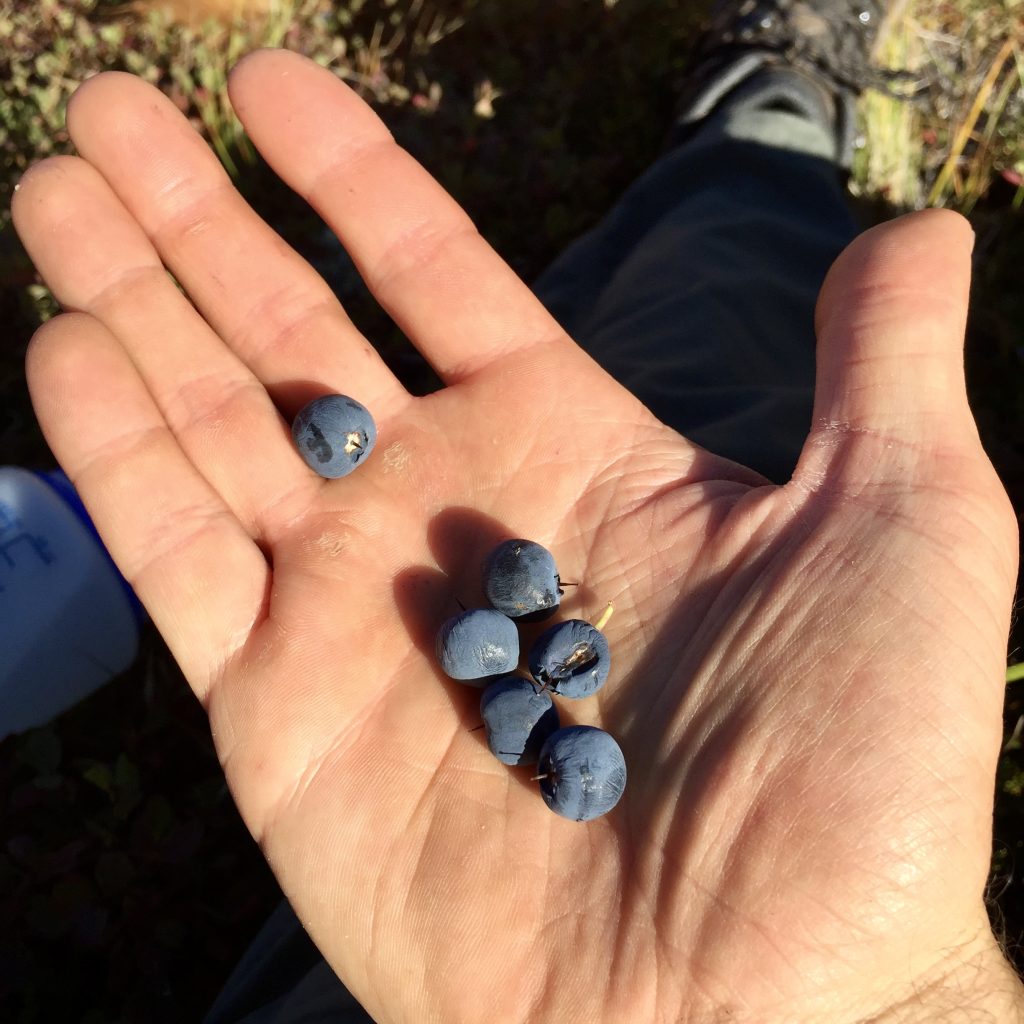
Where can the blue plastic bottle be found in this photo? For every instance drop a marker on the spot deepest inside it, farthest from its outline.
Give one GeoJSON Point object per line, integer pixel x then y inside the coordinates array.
{"type": "Point", "coordinates": [69, 622]}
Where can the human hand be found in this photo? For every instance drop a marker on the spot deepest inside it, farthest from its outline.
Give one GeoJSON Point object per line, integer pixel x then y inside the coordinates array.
{"type": "Point", "coordinates": [806, 679]}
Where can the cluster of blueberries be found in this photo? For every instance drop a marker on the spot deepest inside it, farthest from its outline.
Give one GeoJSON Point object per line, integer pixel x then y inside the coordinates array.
{"type": "Point", "coordinates": [581, 770]}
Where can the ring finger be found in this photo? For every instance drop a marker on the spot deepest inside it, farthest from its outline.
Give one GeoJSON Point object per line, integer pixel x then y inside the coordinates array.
{"type": "Point", "coordinates": [267, 303]}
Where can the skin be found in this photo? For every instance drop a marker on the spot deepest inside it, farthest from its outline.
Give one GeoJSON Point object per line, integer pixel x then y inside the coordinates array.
{"type": "Point", "coordinates": [808, 677]}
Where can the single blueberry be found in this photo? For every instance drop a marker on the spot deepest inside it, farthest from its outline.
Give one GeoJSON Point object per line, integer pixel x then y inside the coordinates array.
{"type": "Point", "coordinates": [520, 579]}
{"type": "Point", "coordinates": [334, 434]}
{"type": "Point", "coordinates": [478, 644]}
{"type": "Point", "coordinates": [571, 659]}
{"type": "Point", "coordinates": [582, 772]}
{"type": "Point", "coordinates": [519, 717]}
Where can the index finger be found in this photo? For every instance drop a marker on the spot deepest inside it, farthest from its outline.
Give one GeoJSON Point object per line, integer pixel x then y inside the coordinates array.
{"type": "Point", "coordinates": [417, 250]}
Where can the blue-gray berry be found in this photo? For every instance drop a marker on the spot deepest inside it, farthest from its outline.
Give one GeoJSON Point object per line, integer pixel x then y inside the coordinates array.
{"type": "Point", "coordinates": [477, 644]}
{"type": "Point", "coordinates": [518, 717]}
{"type": "Point", "coordinates": [571, 659]}
{"type": "Point", "coordinates": [520, 579]}
{"type": "Point", "coordinates": [334, 435]}
{"type": "Point", "coordinates": [582, 772]}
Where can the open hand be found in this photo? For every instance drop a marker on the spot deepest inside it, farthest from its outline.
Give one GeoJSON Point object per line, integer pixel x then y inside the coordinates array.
{"type": "Point", "coordinates": [806, 679]}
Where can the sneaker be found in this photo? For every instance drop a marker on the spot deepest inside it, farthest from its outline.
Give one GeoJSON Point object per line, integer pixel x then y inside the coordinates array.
{"type": "Point", "coordinates": [817, 52]}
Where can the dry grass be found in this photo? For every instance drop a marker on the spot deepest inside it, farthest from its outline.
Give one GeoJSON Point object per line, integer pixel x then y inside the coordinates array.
{"type": "Point", "coordinates": [890, 164]}
{"type": "Point", "coordinates": [965, 128]}
{"type": "Point", "coordinates": [945, 148]}
{"type": "Point", "coordinates": [194, 12]}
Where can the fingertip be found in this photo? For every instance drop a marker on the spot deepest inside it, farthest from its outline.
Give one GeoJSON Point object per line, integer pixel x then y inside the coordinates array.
{"type": "Point", "coordinates": [890, 321]}
{"type": "Point", "coordinates": [259, 54]}
{"type": "Point", "coordinates": [242, 65]}
{"type": "Point", "coordinates": [939, 219]}
{"type": "Point", "coordinates": [39, 171]}
{"type": "Point", "coordinates": [58, 342]}
{"type": "Point", "coordinates": [932, 228]}
{"type": "Point", "coordinates": [41, 349]}
{"type": "Point", "coordinates": [255, 62]}
{"type": "Point", "coordinates": [272, 78]}
{"type": "Point", "coordinates": [920, 247]}
{"type": "Point", "coordinates": [99, 82]}
{"type": "Point", "coordinates": [63, 355]}
{"type": "Point", "coordinates": [40, 184]}
{"type": "Point", "coordinates": [266, 62]}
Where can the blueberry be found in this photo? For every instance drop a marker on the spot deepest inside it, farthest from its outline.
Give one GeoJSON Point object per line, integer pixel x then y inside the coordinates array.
{"type": "Point", "coordinates": [571, 659]}
{"type": "Point", "coordinates": [519, 718]}
{"type": "Point", "coordinates": [478, 644]}
{"type": "Point", "coordinates": [520, 579]}
{"type": "Point", "coordinates": [334, 434]}
{"type": "Point", "coordinates": [583, 772]}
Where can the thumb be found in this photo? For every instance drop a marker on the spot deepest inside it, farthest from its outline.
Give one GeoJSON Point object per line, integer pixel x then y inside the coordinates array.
{"type": "Point", "coordinates": [890, 323]}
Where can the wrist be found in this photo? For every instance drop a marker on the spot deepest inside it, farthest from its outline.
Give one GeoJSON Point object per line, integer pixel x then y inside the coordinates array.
{"type": "Point", "coordinates": [974, 985]}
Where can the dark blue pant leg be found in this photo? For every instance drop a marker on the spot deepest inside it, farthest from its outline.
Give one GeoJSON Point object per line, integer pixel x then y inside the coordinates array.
{"type": "Point", "coordinates": [697, 291]}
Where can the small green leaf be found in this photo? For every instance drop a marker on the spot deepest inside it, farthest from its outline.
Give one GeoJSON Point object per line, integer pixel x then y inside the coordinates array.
{"type": "Point", "coordinates": [135, 61]}
{"type": "Point", "coordinates": [100, 776]}
{"type": "Point", "coordinates": [209, 75]}
{"type": "Point", "coordinates": [47, 65]}
{"type": "Point", "coordinates": [112, 34]}
{"type": "Point", "coordinates": [1014, 784]}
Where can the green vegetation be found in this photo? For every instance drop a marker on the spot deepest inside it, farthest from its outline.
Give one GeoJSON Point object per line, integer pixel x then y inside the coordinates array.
{"type": "Point", "coordinates": [128, 884]}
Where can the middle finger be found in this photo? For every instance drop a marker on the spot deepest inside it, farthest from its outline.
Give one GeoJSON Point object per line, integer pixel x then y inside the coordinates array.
{"type": "Point", "coordinates": [266, 302]}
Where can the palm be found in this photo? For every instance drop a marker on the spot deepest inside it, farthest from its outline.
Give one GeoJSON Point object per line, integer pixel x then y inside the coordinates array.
{"type": "Point", "coordinates": [809, 771]}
